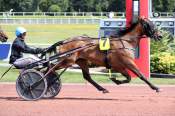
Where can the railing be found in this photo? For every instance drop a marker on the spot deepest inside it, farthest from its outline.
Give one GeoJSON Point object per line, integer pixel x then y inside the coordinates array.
{"type": "Point", "coordinates": [60, 14]}
{"type": "Point", "coordinates": [163, 14]}
{"type": "Point", "coordinates": [56, 17]}
{"type": "Point", "coordinates": [76, 14]}
{"type": "Point", "coordinates": [49, 21]}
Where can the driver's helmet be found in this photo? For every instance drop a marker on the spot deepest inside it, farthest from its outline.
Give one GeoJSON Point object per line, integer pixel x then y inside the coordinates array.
{"type": "Point", "coordinates": [20, 30]}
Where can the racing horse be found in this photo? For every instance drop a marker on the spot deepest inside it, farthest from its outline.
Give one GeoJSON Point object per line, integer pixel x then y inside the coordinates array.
{"type": "Point", "coordinates": [120, 57]}
{"type": "Point", "coordinates": [3, 36]}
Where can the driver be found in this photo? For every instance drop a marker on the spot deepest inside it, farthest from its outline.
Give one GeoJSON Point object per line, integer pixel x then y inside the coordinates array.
{"type": "Point", "coordinates": [19, 47]}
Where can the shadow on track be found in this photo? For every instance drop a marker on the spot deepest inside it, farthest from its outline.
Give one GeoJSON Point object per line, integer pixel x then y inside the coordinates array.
{"type": "Point", "coordinates": [89, 99]}
{"type": "Point", "coordinates": [11, 98]}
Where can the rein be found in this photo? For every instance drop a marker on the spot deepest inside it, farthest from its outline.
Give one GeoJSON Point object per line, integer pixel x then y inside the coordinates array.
{"type": "Point", "coordinates": [6, 71]}
{"type": "Point", "coordinates": [53, 47]}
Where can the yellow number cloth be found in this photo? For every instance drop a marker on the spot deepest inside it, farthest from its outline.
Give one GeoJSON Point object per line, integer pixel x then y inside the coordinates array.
{"type": "Point", "coordinates": [104, 43]}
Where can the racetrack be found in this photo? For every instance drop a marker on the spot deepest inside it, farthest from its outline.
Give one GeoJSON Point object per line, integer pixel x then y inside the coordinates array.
{"type": "Point", "coordinates": [85, 100]}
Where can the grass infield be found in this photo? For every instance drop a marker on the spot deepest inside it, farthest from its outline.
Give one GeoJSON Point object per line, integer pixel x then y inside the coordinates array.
{"type": "Point", "coordinates": [71, 77]}
{"type": "Point", "coordinates": [49, 33]}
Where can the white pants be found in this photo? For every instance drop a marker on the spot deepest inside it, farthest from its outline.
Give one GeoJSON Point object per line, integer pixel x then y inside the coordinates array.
{"type": "Point", "coordinates": [22, 62]}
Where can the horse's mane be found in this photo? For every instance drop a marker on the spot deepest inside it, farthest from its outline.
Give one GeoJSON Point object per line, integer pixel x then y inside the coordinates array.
{"type": "Point", "coordinates": [126, 30]}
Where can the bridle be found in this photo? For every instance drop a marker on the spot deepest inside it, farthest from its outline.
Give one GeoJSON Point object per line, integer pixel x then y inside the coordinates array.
{"type": "Point", "coordinates": [148, 28]}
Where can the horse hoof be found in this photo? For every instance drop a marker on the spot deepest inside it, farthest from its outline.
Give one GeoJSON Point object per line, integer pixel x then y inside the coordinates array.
{"type": "Point", "coordinates": [105, 91]}
{"type": "Point", "coordinates": [159, 90]}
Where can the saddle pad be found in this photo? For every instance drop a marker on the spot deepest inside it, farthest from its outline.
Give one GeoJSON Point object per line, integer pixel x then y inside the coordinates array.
{"type": "Point", "coordinates": [104, 44]}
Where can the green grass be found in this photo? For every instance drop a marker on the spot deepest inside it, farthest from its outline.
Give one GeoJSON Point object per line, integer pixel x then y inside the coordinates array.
{"type": "Point", "coordinates": [51, 33]}
{"type": "Point", "coordinates": [71, 77]}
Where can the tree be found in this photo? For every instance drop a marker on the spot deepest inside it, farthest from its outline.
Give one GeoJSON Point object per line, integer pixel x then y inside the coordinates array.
{"type": "Point", "coordinates": [79, 5]}
{"type": "Point", "coordinates": [26, 5]}
{"type": "Point", "coordinates": [64, 5]}
{"type": "Point", "coordinates": [59, 5]}
{"type": "Point", "coordinates": [17, 5]}
{"type": "Point", "coordinates": [54, 8]}
{"type": "Point", "coordinates": [170, 5]}
{"type": "Point", "coordinates": [7, 5]}
{"type": "Point", "coordinates": [36, 5]}
{"type": "Point", "coordinates": [163, 5]}
{"type": "Point", "coordinates": [101, 5]}
{"type": "Point", "coordinates": [117, 5]}
{"type": "Point", "coordinates": [2, 5]}
{"type": "Point", "coordinates": [43, 5]}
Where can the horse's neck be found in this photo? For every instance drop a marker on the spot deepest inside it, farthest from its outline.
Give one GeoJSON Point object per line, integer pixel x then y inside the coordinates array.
{"type": "Point", "coordinates": [133, 36]}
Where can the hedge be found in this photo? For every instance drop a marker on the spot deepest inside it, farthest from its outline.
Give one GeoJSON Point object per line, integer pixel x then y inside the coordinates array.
{"type": "Point", "coordinates": [163, 63]}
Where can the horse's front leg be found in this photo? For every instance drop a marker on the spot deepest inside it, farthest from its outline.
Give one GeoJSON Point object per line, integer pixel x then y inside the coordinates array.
{"type": "Point", "coordinates": [125, 74]}
{"type": "Point", "coordinates": [85, 70]}
{"type": "Point", "coordinates": [132, 67]}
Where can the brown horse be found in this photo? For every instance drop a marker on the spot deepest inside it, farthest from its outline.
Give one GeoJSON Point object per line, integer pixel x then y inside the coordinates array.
{"type": "Point", "coordinates": [3, 36]}
{"type": "Point", "coordinates": [120, 57]}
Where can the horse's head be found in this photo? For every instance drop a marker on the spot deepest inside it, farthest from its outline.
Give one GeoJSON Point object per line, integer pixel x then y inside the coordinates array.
{"type": "Point", "coordinates": [3, 36]}
{"type": "Point", "coordinates": [149, 29]}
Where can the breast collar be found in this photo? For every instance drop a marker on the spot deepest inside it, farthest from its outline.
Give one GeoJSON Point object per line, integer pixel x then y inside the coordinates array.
{"type": "Point", "coordinates": [123, 45]}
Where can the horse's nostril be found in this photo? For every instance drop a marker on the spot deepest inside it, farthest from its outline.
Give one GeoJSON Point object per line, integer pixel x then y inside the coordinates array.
{"type": "Point", "coordinates": [161, 36]}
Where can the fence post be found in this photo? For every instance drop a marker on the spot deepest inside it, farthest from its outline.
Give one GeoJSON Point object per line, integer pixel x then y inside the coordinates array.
{"type": "Point", "coordinates": [69, 21]}
{"type": "Point", "coordinates": [6, 20]}
{"type": "Point", "coordinates": [37, 21]}
{"type": "Point", "coordinates": [174, 27]}
{"type": "Point", "coordinates": [61, 21]}
{"type": "Point", "coordinates": [101, 14]}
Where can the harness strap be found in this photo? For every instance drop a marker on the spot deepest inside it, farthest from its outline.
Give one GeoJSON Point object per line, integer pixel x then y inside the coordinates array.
{"type": "Point", "coordinates": [106, 60]}
{"type": "Point", "coordinates": [132, 49]}
{"type": "Point", "coordinates": [6, 71]}
{"type": "Point", "coordinates": [107, 63]}
{"type": "Point", "coordinates": [124, 46]}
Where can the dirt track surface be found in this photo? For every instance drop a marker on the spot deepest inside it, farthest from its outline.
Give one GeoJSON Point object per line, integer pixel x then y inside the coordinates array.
{"type": "Point", "coordinates": [84, 100]}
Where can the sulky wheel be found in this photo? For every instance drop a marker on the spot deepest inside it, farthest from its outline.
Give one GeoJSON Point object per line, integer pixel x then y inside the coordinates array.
{"type": "Point", "coordinates": [53, 85]}
{"type": "Point", "coordinates": [31, 85]}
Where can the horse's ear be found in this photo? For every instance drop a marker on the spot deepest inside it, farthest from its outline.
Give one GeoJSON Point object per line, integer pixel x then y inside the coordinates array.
{"type": "Point", "coordinates": [138, 18]}
{"type": "Point", "coordinates": [142, 18]}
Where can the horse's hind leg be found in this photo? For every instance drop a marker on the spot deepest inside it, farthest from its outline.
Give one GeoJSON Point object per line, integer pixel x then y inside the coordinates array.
{"type": "Point", "coordinates": [85, 70]}
{"type": "Point", "coordinates": [125, 74]}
